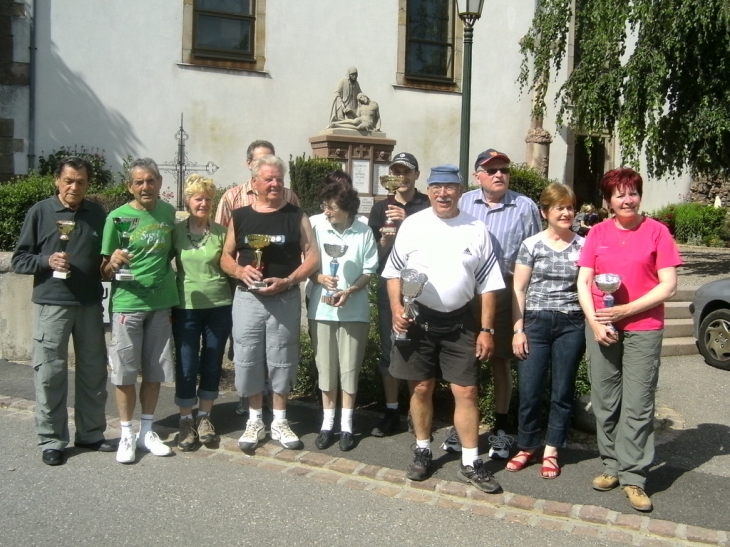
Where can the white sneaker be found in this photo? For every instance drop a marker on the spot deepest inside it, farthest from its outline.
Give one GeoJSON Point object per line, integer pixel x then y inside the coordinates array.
{"type": "Point", "coordinates": [280, 431]}
{"type": "Point", "coordinates": [452, 442]}
{"type": "Point", "coordinates": [152, 443]}
{"type": "Point", "coordinates": [125, 452]}
{"type": "Point", "coordinates": [500, 445]}
{"type": "Point", "coordinates": [255, 433]}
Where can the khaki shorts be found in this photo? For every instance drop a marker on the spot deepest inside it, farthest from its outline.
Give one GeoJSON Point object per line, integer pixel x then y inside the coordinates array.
{"type": "Point", "coordinates": [141, 340]}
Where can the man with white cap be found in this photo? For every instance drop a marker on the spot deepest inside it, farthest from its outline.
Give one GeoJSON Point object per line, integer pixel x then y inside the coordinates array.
{"type": "Point", "coordinates": [453, 250]}
{"type": "Point", "coordinates": [511, 218]}
{"type": "Point", "coordinates": [408, 200]}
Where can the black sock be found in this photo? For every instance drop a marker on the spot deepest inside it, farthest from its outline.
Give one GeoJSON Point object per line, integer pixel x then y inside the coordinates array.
{"type": "Point", "coordinates": [500, 422]}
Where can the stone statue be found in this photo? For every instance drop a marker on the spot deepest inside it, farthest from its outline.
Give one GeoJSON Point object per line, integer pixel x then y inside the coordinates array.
{"type": "Point", "coordinates": [367, 119]}
{"type": "Point", "coordinates": [344, 106]}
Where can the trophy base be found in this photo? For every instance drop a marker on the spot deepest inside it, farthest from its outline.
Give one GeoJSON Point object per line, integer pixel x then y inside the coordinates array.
{"type": "Point", "coordinates": [400, 339]}
{"type": "Point", "coordinates": [328, 299]}
{"type": "Point", "coordinates": [61, 275]}
{"type": "Point", "coordinates": [257, 286]}
{"type": "Point", "coordinates": [124, 276]}
{"type": "Point", "coordinates": [389, 230]}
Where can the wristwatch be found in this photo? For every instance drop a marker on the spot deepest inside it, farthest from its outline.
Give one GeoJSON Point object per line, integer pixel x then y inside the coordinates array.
{"type": "Point", "coordinates": [490, 331]}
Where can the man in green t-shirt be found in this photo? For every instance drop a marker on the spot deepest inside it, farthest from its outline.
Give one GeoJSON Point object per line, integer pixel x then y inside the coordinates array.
{"type": "Point", "coordinates": [141, 329]}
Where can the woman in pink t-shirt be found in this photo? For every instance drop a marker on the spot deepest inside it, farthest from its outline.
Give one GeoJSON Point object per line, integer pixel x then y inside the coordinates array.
{"type": "Point", "coordinates": [624, 342]}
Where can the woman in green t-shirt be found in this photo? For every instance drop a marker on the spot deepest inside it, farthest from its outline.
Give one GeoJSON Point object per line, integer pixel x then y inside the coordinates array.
{"type": "Point", "coordinates": [204, 312]}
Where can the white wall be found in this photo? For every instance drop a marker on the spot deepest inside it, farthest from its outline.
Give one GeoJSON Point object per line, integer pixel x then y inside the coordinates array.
{"type": "Point", "coordinates": [111, 77]}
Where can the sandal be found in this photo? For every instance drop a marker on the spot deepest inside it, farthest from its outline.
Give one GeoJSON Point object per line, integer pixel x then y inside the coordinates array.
{"type": "Point", "coordinates": [553, 467]}
{"type": "Point", "coordinates": [520, 461]}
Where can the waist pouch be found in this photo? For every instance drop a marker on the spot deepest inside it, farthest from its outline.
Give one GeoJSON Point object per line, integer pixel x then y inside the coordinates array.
{"type": "Point", "coordinates": [439, 322]}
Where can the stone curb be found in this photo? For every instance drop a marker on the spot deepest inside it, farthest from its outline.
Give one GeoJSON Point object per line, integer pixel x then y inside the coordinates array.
{"type": "Point", "coordinates": [583, 520]}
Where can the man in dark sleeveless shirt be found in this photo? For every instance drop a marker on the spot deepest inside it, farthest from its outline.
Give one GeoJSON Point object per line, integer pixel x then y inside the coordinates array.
{"type": "Point", "coordinates": [267, 321]}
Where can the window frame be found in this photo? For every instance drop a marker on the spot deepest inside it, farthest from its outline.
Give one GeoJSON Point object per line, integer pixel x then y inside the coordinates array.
{"type": "Point", "coordinates": [220, 53]}
{"type": "Point", "coordinates": [449, 78]}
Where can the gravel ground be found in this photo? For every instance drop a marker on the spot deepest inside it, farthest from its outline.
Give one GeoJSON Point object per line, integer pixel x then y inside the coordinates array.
{"type": "Point", "coordinates": [703, 264]}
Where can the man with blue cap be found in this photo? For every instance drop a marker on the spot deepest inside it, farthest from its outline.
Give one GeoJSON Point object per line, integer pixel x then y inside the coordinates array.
{"type": "Point", "coordinates": [454, 251]}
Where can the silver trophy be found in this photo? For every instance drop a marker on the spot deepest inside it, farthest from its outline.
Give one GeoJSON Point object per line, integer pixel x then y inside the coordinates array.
{"type": "Point", "coordinates": [412, 283]}
{"type": "Point", "coordinates": [125, 226]}
{"type": "Point", "coordinates": [334, 251]}
{"type": "Point", "coordinates": [608, 283]}
{"type": "Point", "coordinates": [65, 227]}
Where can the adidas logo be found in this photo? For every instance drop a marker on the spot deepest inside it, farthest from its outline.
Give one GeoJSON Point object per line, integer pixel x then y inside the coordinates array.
{"type": "Point", "coordinates": [467, 251]}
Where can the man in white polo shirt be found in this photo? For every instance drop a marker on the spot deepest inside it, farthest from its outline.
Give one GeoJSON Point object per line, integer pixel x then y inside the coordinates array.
{"type": "Point", "coordinates": [454, 250]}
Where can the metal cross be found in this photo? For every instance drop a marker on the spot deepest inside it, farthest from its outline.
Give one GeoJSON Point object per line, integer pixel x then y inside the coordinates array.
{"type": "Point", "coordinates": [181, 165]}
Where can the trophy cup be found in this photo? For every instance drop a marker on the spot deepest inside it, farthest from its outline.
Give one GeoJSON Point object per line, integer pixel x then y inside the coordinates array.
{"type": "Point", "coordinates": [608, 283]}
{"type": "Point", "coordinates": [391, 183]}
{"type": "Point", "coordinates": [65, 227]}
{"type": "Point", "coordinates": [258, 242]}
{"type": "Point", "coordinates": [125, 226]}
{"type": "Point", "coordinates": [334, 251]}
{"type": "Point", "coordinates": [412, 283]}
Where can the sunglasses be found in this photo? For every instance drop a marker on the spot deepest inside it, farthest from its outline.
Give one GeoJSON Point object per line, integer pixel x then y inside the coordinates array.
{"type": "Point", "coordinates": [493, 171]}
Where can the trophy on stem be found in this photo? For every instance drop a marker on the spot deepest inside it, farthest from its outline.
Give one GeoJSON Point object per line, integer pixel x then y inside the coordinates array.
{"type": "Point", "coordinates": [125, 226]}
{"type": "Point", "coordinates": [258, 242]}
{"type": "Point", "coordinates": [391, 183]}
{"type": "Point", "coordinates": [64, 227]}
{"type": "Point", "coordinates": [412, 283]}
{"type": "Point", "coordinates": [608, 283]}
{"type": "Point", "coordinates": [334, 251]}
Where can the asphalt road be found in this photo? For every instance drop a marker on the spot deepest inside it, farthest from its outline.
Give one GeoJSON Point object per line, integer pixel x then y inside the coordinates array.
{"type": "Point", "coordinates": [689, 483]}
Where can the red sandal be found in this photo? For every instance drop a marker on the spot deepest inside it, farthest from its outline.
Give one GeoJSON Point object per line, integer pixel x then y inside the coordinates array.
{"type": "Point", "coordinates": [554, 467]}
{"type": "Point", "coordinates": [520, 460]}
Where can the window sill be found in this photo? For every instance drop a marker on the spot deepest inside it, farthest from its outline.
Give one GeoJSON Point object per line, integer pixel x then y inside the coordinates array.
{"type": "Point", "coordinates": [448, 90]}
{"type": "Point", "coordinates": [225, 69]}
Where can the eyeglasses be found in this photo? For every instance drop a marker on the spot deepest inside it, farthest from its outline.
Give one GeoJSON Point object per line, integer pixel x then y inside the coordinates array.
{"type": "Point", "coordinates": [448, 188]}
{"type": "Point", "coordinates": [493, 171]}
{"type": "Point", "coordinates": [326, 207]}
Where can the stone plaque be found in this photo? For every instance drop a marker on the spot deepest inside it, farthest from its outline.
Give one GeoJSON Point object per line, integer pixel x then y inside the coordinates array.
{"type": "Point", "coordinates": [380, 170]}
{"type": "Point", "coordinates": [366, 205]}
{"type": "Point", "coordinates": [361, 176]}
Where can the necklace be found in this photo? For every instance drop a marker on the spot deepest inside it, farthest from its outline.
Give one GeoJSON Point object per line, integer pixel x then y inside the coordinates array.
{"type": "Point", "coordinates": [629, 230]}
{"type": "Point", "coordinates": [198, 241]}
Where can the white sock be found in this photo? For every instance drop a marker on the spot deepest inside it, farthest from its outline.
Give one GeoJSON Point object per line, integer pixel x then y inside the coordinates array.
{"type": "Point", "coordinates": [346, 420]}
{"type": "Point", "coordinates": [187, 417]}
{"type": "Point", "coordinates": [468, 455]}
{"type": "Point", "coordinates": [202, 414]}
{"type": "Point", "coordinates": [145, 424]}
{"type": "Point", "coordinates": [254, 414]}
{"type": "Point", "coordinates": [391, 406]}
{"type": "Point", "coordinates": [279, 415]}
{"type": "Point", "coordinates": [328, 422]}
{"type": "Point", "coordinates": [424, 444]}
{"type": "Point", "coordinates": [126, 429]}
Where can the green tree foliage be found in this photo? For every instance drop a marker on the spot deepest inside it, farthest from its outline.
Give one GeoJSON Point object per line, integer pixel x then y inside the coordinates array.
{"type": "Point", "coordinates": [655, 73]}
{"type": "Point", "coordinates": [306, 175]}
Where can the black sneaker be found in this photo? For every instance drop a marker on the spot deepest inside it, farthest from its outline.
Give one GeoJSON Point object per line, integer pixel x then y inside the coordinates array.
{"type": "Point", "coordinates": [389, 424]}
{"type": "Point", "coordinates": [478, 476]}
{"type": "Point", "coordinates": [324, 439]}
{"type": "Point", "coordinates": [347, 441]}
{"type": "Point", "coordinates": [418, 470]}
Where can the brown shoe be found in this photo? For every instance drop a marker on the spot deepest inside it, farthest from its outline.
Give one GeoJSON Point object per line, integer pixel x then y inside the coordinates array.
{"type": "Point", "coordinates": [605, 482]}
{"type": "Point", "coordinates": [206, 431]}
{"type": "Point", "coordinates": [638, 498]}
{"type": "Point", "coordinates": [186, 436]}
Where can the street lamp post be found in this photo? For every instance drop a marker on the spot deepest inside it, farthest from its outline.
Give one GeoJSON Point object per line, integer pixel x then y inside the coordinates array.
{"type": "Point", "coordinates": [469, 12]}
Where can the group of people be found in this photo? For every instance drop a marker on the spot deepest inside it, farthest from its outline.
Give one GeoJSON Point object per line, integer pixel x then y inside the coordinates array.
{"type": "Point", "coordinates": [495, 286]}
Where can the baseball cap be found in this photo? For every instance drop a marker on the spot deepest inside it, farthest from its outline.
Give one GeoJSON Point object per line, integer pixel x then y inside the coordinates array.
{"type": "Point", "coordinates": [404, 158]}
{"type": "Point", "coordinates": [444, 174]}
{"type": "Point", "coordinates": [489, 155]}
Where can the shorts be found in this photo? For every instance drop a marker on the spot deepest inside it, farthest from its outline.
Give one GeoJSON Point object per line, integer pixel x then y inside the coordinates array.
{"type": "Point", "coordinates": [454, 354]}
{"type": "Point", "coordinates": [141, 340]}
{"type": "Point", "coordinates": [266, 333]}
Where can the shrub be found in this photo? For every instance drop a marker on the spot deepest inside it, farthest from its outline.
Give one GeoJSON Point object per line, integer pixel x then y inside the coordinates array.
{"type": "Point", "coordinates": [103, 176]}
{"type": "Point", "coordinates": [306, 175]}
{"type": "Point", "coordinates": [111, 197]}
{"type": "Point", "coordinates": [695, 223]}
{"type": "Point", "coordinates": [526, 180]}
{"type": "Point", "coordinates": [16, 198]}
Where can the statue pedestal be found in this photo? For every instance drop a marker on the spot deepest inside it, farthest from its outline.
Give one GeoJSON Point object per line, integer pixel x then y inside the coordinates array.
{"type": "Point", "coordinates": [364, 157]}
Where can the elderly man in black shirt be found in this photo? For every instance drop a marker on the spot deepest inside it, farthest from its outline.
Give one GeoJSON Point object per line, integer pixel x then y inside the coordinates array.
{"type": "Point", "coordinates": [65, 307]}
